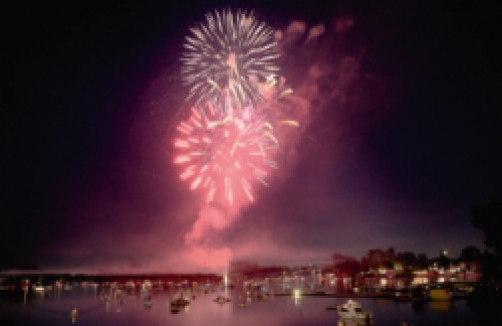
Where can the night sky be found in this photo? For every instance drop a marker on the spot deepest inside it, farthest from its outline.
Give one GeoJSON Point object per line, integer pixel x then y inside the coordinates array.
{"type": "Point", "coordinates": [401, 133]}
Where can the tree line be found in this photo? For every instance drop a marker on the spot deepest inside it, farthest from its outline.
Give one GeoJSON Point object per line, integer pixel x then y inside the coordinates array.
{"type": "Point", "coordinates": [486, 218]}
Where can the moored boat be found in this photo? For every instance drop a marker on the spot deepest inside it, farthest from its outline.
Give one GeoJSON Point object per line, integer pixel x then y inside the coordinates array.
{"type": "Point", "coordinates": [221, 299]}
{"type": "Point", "coordinates": [352, 310]}
{"type": "Point", "coordinates": [440, 294]}
{"type": "Point", "coordinates": [180, 302]}
{"type": "Point", "coordinates": [39, 288]}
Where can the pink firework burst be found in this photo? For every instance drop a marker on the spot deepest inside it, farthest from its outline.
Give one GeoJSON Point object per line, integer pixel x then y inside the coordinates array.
{"type": "Point", "coordinates": [223, 151]}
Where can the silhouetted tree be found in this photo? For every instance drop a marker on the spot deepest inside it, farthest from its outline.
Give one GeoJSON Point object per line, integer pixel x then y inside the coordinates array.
{"type": "Point", "coordinates": [471, 254]}
{"type": "Point", "coordinates": [345, 265]}
{"type": "Point", "coordinates": [490, 269]}
{"type": "Point", "coordinates": [444, 261]}
{"type": "Point", "coordinates": [378, 258]}
{"type": "Point", "coordinates": [422, 261]}
{"type": "Point", "coordinates": [340, 258]}
{"type": "Point", "coordinates": [365, 267]}
{"type": "Point", "coordinates": [489, 220]}
{"type": "Point", "coordinates": [348, 268]}
{"type": "Point", "coordinates": [407, 260]}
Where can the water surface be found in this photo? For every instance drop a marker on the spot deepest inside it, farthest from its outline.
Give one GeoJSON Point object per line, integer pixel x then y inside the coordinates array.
{"type": "Point", "coordinates": [54, 307]}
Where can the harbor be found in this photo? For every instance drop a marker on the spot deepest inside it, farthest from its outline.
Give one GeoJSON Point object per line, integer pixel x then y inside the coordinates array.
{"type": "Point", "coordinates": [158, 301]}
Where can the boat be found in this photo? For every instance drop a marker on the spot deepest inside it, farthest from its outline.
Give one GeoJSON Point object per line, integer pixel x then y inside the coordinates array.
{"type": "Point", "coordinates": [440, 294]}
{"type": "Point", "coordinates": [352, 310]}
{"type": "Point", "coordinates": [179, 303]}
{"type": "Point", "coordinates": [414, 295]}
{"type": "Point", "coordinates": [261, 297]}
{"type": "Point", "coordinates": [38, 288]}
{"type": "Point", "coordinates": [221, 299]}
{"type": "Point", "coordinates": [403, 295]}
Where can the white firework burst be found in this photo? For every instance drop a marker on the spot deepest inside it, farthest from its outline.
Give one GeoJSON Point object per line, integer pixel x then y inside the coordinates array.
{"type": "Point", "coordinates": [229, 51]}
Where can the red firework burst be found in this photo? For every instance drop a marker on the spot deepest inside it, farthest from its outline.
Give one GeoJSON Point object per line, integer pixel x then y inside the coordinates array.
{"type": "Point", "coordinates": [224, 151]}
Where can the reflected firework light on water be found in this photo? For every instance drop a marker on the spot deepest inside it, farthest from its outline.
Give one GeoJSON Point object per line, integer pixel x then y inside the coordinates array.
{"type": "Point", "coordinates": [231, 51]}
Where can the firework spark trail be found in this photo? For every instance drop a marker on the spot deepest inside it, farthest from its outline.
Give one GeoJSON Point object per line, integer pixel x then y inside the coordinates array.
{"type": "Point", "coordinates": [222, 151]}
{"type": "Point", "coordinates": [229, 51]}
{"type": "Point", "coordinates": [226, 154]}
{"type": "Point", "coordinates": [229, 147]}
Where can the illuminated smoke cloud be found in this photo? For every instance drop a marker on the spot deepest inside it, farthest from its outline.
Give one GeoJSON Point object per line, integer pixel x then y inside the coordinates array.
{"type": "Point", "coordinates": [183, 230]}
{"type": "Point", "coordinates": [201, 242]}
{"type": "Point", "coordinates": [293, 32]}
{"type": "Point", "coordinates": [207, 258]}
{"type": "Point", "coordinates": [323, 75]}
{"type": "Point", "coordinates": [343, 23]}
{"type": "Point", "coordinates": [315, 32]}
{"type": "Point", "coordinates": [296, 29]}
{"type": "Point", "coordinates": [210, 219]}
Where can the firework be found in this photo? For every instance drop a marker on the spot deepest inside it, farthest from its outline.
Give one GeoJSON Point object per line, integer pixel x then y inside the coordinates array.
{"type": "Point", "coordinates": [229, 51]}
{"type": "Point", "coordinates": [224, 151]}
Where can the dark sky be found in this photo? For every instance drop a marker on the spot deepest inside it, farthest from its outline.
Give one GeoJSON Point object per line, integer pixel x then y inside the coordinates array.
{"type": "Point", "coordinates": [402, 134]}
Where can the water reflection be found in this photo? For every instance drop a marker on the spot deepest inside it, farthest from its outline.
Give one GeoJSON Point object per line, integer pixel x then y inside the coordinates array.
{"type": "Point", "coordinates": [442, 305]}
{"type": "Point", "coordinates": [420, 307]}
{"type": "Point", "coordinates": [252, 303]}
